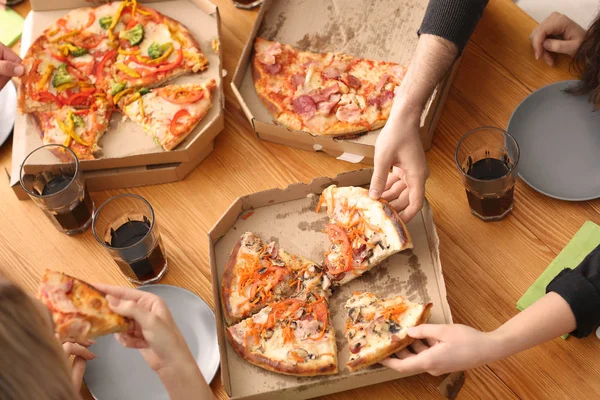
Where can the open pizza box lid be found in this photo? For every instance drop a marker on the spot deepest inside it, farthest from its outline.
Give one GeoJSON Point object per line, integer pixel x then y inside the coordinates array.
{"type": "Point", "coordinates": [287, 216]}
{"type": "Point", "coordinates": [125, 144]}
{"type": "Point", "coordinates": [375, 29]}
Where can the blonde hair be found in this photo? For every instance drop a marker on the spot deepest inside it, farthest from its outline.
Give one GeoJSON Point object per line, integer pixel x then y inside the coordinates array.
{"type": "Point", "coordinates": [32, 363]}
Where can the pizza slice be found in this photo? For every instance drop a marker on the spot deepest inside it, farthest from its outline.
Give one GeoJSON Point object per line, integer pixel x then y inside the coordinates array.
{"type": "Point", "coordinates": [78, 129]}
{"type": "Point", "coordinates": [329, 94]}
{"type": "Point", "coordinates": [170, 113]}
{"type": "Point", "coordinates": [153, 48]}
{"type": "Point", "coordinates": [50, 82]}
{"type": "Point", "coordinates": [363, 232]}
{"type": "Point", "coordinates": [291, 337]}
{"type": "Point", "coordinates": [79, 311]}
{"type": "Point", "coordinates": [377, 328]}
{"type": "Point", "coordinates": [258, 273]}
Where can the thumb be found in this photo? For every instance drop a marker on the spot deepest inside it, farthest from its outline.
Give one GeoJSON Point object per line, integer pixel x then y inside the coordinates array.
{"type": "Point", "coordinates": [131, 309]}
{"type": "Point", "coordinates": [379, 178]}
{"type": "Point", "coordinates": [560, 46]}
{"type": "Point", "coordinates": [8, 68]}
{"type": "Point", "coordinates": [427, 331]}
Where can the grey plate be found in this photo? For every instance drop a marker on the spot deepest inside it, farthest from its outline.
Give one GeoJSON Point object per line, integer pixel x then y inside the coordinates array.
{"type": "Point", "coordinates": [559, 138]}
{"type": "Point", "coordinates": [121, 373]}
{"type": "Point", "coordinates": [8, 110]}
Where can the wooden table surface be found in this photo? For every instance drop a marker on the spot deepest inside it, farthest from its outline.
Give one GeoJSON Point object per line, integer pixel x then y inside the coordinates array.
{"type": "Point", "coordinates": [487, 266]}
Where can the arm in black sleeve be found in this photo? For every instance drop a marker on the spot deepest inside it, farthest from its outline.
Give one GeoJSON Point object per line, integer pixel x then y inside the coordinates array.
{"type": "Point", "coordinates": [454, 20]}
{"type": "Point", "coordinates": [580, 288]}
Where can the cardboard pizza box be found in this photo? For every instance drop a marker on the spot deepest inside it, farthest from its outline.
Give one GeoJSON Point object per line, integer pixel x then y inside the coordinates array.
{"type": "Point", "coordinates": [288, 217]}
{"type": "Point", "coordinates": [376, 29]}
{"type": "Point", "coordinates": [125, 145]}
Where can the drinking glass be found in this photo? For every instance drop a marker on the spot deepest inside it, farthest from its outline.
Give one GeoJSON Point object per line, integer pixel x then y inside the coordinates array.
{"type": "Point", "coordinates": [247, 4]}
{"type": "Point", "coordinates": [125, 225]}
{"type": "Point", "coordinates": [52, 178]}
{"type": "Point", "coordinates": [487, 158]}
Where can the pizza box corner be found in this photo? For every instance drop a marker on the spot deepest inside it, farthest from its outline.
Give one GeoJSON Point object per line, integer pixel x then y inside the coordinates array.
{"type": "Point", "coordinates": [287, 217]}
{"type": "Point", "coordinates": [129, 156]}
{"type": "Point", "coordinates": [333, 25]}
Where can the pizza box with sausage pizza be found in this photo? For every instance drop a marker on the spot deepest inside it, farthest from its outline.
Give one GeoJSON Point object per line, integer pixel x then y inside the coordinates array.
{"type": "Point", "coordinates": [129, 156]}
{"type": "Point", "coordinates": [374, 29]}
{"type": "Point", "coordinates": [287, 216]}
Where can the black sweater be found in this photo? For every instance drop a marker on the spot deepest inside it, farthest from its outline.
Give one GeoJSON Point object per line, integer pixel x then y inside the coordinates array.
{"type": "Point", "coordinates": [580, 287]}
{"type": "Point", "coordinates": [453, 20]}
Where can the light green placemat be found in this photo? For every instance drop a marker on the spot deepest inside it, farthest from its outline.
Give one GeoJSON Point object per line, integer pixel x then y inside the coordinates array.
{"type": "Point", "coordinates": [584, 241]}
{"type": "Point", "coordinates": [11, 26]}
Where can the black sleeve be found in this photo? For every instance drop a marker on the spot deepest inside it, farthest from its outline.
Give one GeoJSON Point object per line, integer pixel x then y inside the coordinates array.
{"type": "Point", "coordinates": [580, 287]}
{"type": "Point", "coordinates": [454, 20]}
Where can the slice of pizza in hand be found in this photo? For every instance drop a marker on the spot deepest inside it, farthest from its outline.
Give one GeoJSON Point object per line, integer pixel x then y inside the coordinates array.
{"type": "Point", "coordinates": [79, 311]}
{"type": "Point", "coordinates": [363, 232]}
{"type": "Point", "coordinates": [377, 328]}
{"type": "Point", "coordinates": [292, 337]}
{"type": "Point", "coordinates": [170, 113]}
{"type": "Point", "coordinates": [258, 273]}
{"type": "Point", "coordinates": [80, 130]}
{"type": "Point", "coordinates": [329, 94]}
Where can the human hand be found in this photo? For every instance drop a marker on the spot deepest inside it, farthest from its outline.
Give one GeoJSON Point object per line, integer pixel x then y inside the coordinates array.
{"type": "Point", "coordinates": [10, 65]}
{"type": "Point", "coordinates": [155, 334]}
{"type": "Point", "coordinates": [81, 356]}
{"type": "Point", "coordinates": [451, 348]}
{"type": "Point", "coordinates": [399, 147]}
{"type": "Point", "coordinates": [556, 34]}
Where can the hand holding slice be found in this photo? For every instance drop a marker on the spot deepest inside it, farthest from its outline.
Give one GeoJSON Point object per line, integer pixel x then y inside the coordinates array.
{"type": "Point", "coordinates": [363, 232]}
{"type": "Point", "coordinates": [79, 311]}
{"type": "Point", "coordinates": [377, 328]}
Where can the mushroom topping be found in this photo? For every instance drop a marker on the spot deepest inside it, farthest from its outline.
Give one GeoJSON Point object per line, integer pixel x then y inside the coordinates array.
{"type": "Point", "coordinates": [262, 270]}
{"type": "Point", "coordinates": [268, 333]}
{"type": "Point", "coordinates": [277, 262]}
{"type": "Point", "coordinates": [298, 354]}
{"type": "Point", "coordinates": [354, 314]}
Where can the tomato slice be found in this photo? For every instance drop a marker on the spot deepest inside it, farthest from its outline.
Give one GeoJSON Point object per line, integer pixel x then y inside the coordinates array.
{"type": "Point", "coordinates": [181, 96]}
{"type": "Point", "coordinates": [338, 234]}
{"type": "Point", "coordinates": [88, 42]}
{"type": "Point", "coordinates": [179, 124]}
{"type": "Point", "coordinates": [320, 311]}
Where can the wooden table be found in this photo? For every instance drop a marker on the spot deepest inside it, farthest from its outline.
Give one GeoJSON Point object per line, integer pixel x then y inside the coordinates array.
{"type": "Point", "coordinates": [487, 266]}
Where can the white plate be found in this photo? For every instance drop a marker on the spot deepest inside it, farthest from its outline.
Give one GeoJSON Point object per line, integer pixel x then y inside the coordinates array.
{"type": "Point", "coordinates": [121, 373]}
{"type": "Point", "coordinates": [8, 110]}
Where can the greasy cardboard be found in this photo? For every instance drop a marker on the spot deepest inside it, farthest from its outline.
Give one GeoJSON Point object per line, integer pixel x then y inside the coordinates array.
{"type": "Point", "coordinates": [376, 29]}
{"type": "Point", "coordinates": [287, 216]}
{"type": "Point", "coordinates": [125, 144]}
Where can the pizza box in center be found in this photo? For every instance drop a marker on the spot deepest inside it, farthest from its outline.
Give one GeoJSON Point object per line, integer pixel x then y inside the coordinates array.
{"type": "Point", "coordinates": [129, 156]}
{"type": "Point", "coordinates": [375, 29]}
{"type": "Point", "coordinates": [288, 217]}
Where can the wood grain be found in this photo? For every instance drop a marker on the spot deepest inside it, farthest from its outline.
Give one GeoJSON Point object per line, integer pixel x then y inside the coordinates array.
{"type": "Point", "coordinates": [487, 266]}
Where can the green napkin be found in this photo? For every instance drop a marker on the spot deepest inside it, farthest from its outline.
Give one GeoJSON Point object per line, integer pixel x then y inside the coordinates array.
{"type": "Point", "coordinates": [584, 241]}
{"type": "Point", "coordinates": [11, 26]}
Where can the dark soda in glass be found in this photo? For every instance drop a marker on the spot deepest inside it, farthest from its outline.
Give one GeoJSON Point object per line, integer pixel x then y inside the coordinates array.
{"type": "Point", "coordinates": [79, 214]}
{"type": "Point", "coordinates": [490, 205]}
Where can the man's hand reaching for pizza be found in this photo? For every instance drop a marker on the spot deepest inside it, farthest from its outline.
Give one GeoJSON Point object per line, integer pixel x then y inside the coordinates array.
{"type": "Point", "coordinates": [10, 65]}
{"type": "Point", "coordinates": [399, 147]}
{"type": "Point", "coordinates": [159, 340]}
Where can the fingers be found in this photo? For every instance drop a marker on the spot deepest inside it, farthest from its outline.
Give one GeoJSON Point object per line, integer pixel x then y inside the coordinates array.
{"type": "Point", "coordinates": [561, 46]}
{"type": "Point", "coordinates": [411, 365]}
{"type": "Point", "coordinates": [7, 54]}
{"type": "Point", "coordinates": [548, 58]}
{"type": "Point", "coordinates": [77, 372]}
{"type": "Point", "coordinates": [394, 191]}
{"type": "Point", "coordinates": [401, 202]}
{"type": "Point", "coordinates": [131, 309]}
{"type": "Point", "coordinates": [9, 68]}
{"type": "Point", "coordinates": [427, 331]}
{"type": "Point", "coordinates": [74, 349]}
{"type": "Point", "coordinates": [418, 346]}
{"type": "Point", "coordinates": [380, 175]}
{"type": "Point", "coordinates": [416, 196]}
{"type": "Point", "coordinates": [404, 354]}
{"type": "Point", "coordinates": [131, 341]}
{"type": "Point", "coordinates": [121, 291]}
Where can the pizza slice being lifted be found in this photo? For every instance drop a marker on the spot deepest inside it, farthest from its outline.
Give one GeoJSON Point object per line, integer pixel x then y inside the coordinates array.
{"type": "Point", "coordinates": [258, 273]}
{"type": "Point", "coordinates": [78, 129]}
{"type": "Point", "coordinates": [292, 337]}
{"type": "Point", "coordinates": [363, 232]}
{"type": "Point", "coordinates": [79, 311]}
{"type": "Point", "coordinates": [170, 113]}
{"type": "Point", "coordinates": [377, 328]}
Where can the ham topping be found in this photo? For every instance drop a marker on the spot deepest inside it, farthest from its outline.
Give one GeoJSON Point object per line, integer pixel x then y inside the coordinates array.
{"type": "Point", "coordinates": [273, 68]}
{"type": "Point", "coordinates": [352, 81]}
{"type": "Point", "coordinates": [322, 94]}
{"type": "Point", "coordinates": [382, 82]}
{"type": "Point", "coordinates": [267, 56]}
{"type": "Point", "coordinates": [382, 99]}
{"type": "Point", "coordinates": [348, 113]}
{"type": "Point", "coordinates": [305, 106]}
{"type": "Point", "coordinates": [297, 79]}
{"type": "Point", "coordinates": [331, 72]}
{"type": "Point", "coordinates": [326, 106]}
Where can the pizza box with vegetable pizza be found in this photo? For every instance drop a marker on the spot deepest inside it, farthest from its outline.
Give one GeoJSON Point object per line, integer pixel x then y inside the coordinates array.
{"type": "Point", "coordinates": [288, 218]}
{"type": "Point", "coordinates": [360, 51]}
{"type": "Point", "coordinates": [132, 87]}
